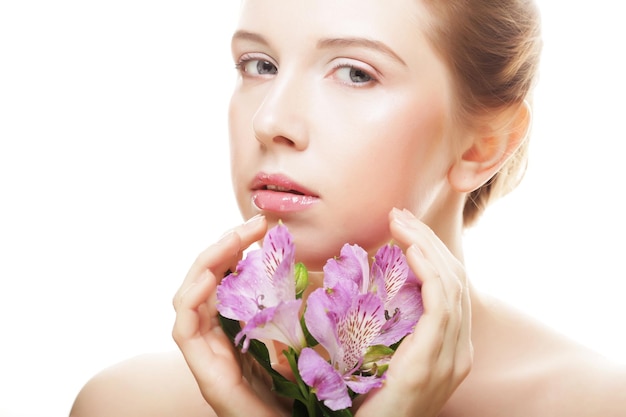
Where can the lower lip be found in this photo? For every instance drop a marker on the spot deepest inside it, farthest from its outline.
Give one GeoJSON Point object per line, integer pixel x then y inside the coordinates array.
{"type": "Point", "coordinates": [279, 202]}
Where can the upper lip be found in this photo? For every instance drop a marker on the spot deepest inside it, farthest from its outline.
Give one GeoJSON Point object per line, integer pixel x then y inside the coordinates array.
{"type": "Point", "coordinates": [279, 182]}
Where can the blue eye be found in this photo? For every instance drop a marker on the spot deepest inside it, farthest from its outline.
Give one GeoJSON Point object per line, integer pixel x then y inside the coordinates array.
{"type": "Point", "coordinates": [257, 67]}
{"type": "Point", "coordinates": [265, 67]}
{"type": "Point", "coordinates": [353, 75]}
{"type": "Point", "coordinates": [359, 76]}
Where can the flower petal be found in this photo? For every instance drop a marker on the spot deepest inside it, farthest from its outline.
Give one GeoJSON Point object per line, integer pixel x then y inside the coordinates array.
{"type": "Point", "coordinates": [263, 279]}
{"type": "Point", "coordinates": [352, 264]}
{"type": "Point", "coordinates": [280, 323]}
{"type": "Point", "coordinates": [363, 384]}
{"type": "Point", "coordinates": [358, 329]}
{"type": "Point", "coordinates": [241, 294]}
{"type": "Point", "coordinates": [321, 321]}
{"type": "Point", "coordinates": [403, 311]}
{"type": "Point", "coordinates": [392, 264]}
{"type": "Point", "coordinates": [326, 382]}
{"type": "Point", "coordinates": [278, 248]}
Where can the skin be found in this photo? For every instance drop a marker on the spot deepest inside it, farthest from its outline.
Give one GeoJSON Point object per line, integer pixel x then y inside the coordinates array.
{"type": "Point", "coordinates": [314, 124]}
{"type": "Point", "coordinates": [369, 133]}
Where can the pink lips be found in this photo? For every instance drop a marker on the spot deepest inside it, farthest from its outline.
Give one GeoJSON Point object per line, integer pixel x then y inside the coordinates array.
{"type": "Point", "coordinates": [278, 193]}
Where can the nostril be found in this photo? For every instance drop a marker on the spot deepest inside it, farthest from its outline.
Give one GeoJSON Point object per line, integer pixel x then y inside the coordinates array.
{"type": "Point", "coordinates": [281, 140]}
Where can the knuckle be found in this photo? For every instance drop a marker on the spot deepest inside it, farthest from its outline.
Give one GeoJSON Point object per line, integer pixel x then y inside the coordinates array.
{"type": "Point", "coordinates": [464, 363]}
{"type": "Point", "coordinates": [446, 372]}
{"type": "Point", "coordinates": [176, 335]}
{"type": "Point", "coordinates": [419, 378]}
{"type": "Point", "coordinates": [201, 258]}
{"type": "Point", "coordinates": [459, 270]}
{"type": "Point", "coordinates": [445, 315]}
{"type": "Point", "coordinates": [457, 291]}
{"type": "Point", "coordinates": [176, 301]}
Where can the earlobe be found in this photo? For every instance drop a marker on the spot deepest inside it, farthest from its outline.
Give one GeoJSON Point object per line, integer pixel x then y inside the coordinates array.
{"type": "Point", "coordinates": [492, 145]}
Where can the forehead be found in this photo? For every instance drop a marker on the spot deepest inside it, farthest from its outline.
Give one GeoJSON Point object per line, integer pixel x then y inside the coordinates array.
{"type": "Point", "coordinates": [397, 23]}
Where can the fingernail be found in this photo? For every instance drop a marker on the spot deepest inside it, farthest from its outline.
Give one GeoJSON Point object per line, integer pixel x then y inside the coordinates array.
{"type": "Point", "coordinates": [408, 214]}
{"type": "Point", "coordinates": [402, 217]}
{"type": "Point", "coordinates": [396, 211]}
{"type": "Point", "coordinates": [414, 250]}
{"type": "Point", "coordinates": [226, 235]}
{"type": "Point", "coordinates": [203, 277]}
{"type": "Point", "coordinates": [253, 220]}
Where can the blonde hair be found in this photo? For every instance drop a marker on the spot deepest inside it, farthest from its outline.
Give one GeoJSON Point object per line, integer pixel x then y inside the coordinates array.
{"type": "Point", "coordinates": [492, 48]}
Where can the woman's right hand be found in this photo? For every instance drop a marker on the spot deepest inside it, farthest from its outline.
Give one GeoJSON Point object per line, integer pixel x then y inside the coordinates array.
{"type": "Point", "coordinates": [230, 385]}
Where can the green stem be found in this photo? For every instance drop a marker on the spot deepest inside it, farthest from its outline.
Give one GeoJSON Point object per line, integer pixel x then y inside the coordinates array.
{"type": "Point", "coordinates": [310, 400]}
{"type": "Point", "coordinates": [311, 404]}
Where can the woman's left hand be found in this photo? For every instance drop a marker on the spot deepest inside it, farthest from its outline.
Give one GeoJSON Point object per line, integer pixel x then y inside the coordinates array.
{"type": "Point", "coordinates": [431, 362]}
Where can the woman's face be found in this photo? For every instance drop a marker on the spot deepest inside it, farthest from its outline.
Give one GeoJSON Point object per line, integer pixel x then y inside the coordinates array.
{"type": "Point", "coordinates": [339, 115]}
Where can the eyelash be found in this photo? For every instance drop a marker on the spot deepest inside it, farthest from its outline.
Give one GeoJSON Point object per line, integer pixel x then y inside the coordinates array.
{"type": "Point", "coordinates": [342, 65]}
{"type": "Point", "coordinates": [240, 65]}
{"type": "Point", "coordinates": [248, 58]}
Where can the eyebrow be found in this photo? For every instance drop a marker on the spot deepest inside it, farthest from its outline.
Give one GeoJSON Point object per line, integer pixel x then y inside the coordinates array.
{"type": "Point", "coordinates": [249, 36]}
{"type": "Point", "coordinates": [362, 43]}
{"type": "Point", "coordinates": [331, 43]}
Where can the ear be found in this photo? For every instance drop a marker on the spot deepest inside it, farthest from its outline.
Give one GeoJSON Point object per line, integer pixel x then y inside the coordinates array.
{"type": "Point", "coordinates": [491, 146]}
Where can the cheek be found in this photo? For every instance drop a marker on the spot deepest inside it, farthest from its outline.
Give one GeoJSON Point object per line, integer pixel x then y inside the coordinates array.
{"type": "Point", "coordinates": [237, 115]}
{"type": "Point", "coordinates": [394, 145]}
{"type": "Point", "coordinates": [241, 111]}
{"type": "Point", "coordinates": [421, 156]}
{"type": "Point", "coordinates": [241, 137]}
{"type": "Point", "coordinates": [389, 157]}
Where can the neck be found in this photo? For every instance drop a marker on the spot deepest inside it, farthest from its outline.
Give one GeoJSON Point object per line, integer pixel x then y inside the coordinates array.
{"type": "Point", "coordinates": [446, 220]}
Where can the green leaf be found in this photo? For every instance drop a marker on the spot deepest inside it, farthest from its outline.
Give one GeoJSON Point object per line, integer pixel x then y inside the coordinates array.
{"type": "Point", "coordinates": [310, 340]}
{"type": "Point", "coordinates": [257, 349]}
{"type": "Point", "coordinates": [230, 327]}
{"type": "Point", "coordinates": [327, 412]}
{"type": "Point", "coordinates": [288, 389]}
{"type": "Point", "coordinates": [282, 386]}
{"type": "Point", "coordinates": [259, 352]}
{"type": "Point", "coordinates": [299, 410]}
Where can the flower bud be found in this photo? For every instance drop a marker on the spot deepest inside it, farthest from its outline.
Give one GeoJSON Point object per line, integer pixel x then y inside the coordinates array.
{"type": "Point", "coordinates": [302, 279]}
{"type": "Point", "coordinates": [376, 359]}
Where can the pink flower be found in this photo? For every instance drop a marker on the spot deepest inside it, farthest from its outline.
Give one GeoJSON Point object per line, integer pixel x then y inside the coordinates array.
{"type": "Point", "coordinates": [390, 277]}
{"type": "Point", "coordinates": [359, 309]}
{"type": "Point", "coordinates": [262, 293]}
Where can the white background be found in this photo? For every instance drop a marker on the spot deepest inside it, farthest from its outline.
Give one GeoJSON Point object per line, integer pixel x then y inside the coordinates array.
{"type": "Point", "coordinates": [114, 175]}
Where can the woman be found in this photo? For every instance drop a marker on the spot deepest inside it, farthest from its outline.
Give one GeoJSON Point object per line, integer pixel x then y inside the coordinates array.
{"type": "Point", "coordinates": [362, 122]}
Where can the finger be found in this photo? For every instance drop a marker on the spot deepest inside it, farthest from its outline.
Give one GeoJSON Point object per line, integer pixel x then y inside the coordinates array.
{"type": "Point", "coordinates": [215, 258]}
{"type": "Point", "coordinates": [408, 230]}
{"type": "Point", "coordinates": [225, 253]}
{"type": "Point", "coordinates": [431, 260]}
{"type": "Point", "coordinates": [444, 289]}
{"type": "Point", "coordinates": [188, 317]}
{"type": "Point", "coordinates": [199, 341]}
{"type": "Point", "coordinates": [425, 344]}
{"type": "Point", "coordinates": [230, 251]}
{"type": "Point", "coordinates": [465, 352]}
{"type": "Point", "coordinates": [191, 330]}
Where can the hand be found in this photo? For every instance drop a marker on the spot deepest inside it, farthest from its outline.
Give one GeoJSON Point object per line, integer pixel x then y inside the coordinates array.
{"type": "Point", "coordinates": [431, 362]}
{"type": "Point", "coordinates": [230, 383]}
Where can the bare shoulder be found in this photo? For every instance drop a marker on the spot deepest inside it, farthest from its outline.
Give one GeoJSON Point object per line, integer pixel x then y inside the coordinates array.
{"type": "Point", "coordinates": [155, 385]}
{"type": "Point", "coordinates": [582, 383]}
{"type": "Point", "coordinates": [524, 368]}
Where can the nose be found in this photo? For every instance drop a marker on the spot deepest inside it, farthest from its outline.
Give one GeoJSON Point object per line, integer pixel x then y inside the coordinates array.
{"type": "Point", "coordinates": [282, 118]}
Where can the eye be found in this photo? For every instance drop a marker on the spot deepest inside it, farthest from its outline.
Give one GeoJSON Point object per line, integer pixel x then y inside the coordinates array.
{"type": "Point", "coordinates": [354, 75]}
{"type": "Point", "coordinates": [256, 66]}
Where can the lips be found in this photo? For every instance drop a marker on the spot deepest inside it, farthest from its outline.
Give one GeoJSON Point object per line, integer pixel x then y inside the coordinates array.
{"type": "Point", "coordinates": [278, 193]}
